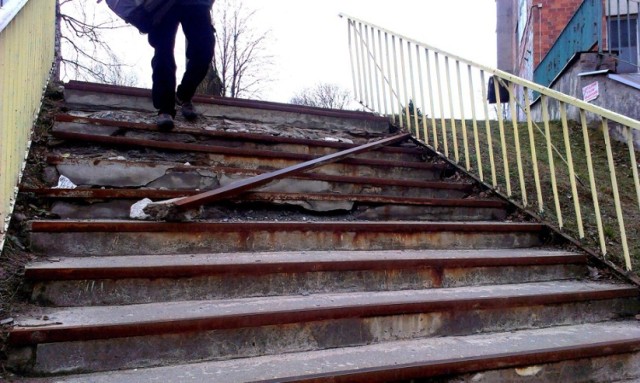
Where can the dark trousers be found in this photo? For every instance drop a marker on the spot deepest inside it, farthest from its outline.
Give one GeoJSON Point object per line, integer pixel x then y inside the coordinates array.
{"type": "Point", "coordinates": [198, 29]}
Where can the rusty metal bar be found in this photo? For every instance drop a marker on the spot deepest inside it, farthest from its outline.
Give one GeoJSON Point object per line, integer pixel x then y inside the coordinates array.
{"type": "Point", "coordinates": [262, 179]}
{"type": "Point", "coordinates": [57, 226]}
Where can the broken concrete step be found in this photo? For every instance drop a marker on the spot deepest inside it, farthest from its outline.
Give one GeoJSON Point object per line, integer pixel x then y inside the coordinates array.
{"type": "Point", "coordinates": [102, 96]}
{"type": "Point", "coordinates": [268, 159]}
{"type": "Point", "coordinates": [598, 353]}
{"type": "Point", "coordinates": [162, 175]}
{"type": "Point", "coordinates": [145, 279]}
{"type": "Point", "coordinates": [116, 204]}
{"type": "Point", "coordinates": [270, 140]}
{"type": "Point", "coordinates": [73, 339]}
{"type": "Point", "coordinates": [111, 237]}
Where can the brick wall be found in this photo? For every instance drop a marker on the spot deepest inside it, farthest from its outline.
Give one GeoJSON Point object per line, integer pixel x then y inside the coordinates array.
{"type": "Point", "coordinates": [548, 22]}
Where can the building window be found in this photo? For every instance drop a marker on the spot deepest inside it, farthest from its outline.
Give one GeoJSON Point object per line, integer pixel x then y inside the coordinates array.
{"type": "Point", "coordinates": [623, 38]}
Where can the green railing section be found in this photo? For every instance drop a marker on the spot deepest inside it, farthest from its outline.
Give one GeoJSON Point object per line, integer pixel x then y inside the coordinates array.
{"type": "Point", "coordinates": [27, 33]}
{"type": "Point", "coordinates": [581, 34]}
{"type": "Point", "coordinates": [568, 172]}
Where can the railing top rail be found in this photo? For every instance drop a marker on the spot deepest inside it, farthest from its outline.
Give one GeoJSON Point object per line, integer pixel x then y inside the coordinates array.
{"type": "Point", "coordinates": [9, 10]}
{"type": "Point", "coordinates": [612, 116]}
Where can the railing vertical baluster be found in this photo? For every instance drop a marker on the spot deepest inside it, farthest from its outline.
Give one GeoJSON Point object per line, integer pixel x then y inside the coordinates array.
{"type": "Point", "coordinates": [382, 74]}
{"type": "Point", "coordinates": [534, 155]}
{"type": "Point", "coordinates": [395, 64]}
{"type": "Point", "coordinates": [404, 84]}
{"type": "Point", "coordinates": [572, 174]}
{"type": "Point", "coordinates": [374, 57]}
{"type": "Point", "coordinates": [608, 21]}
{"type": "Point", "coordinates": [369, 58]}
{"type": "Point", "coordinates": [413, 92]}
{"type": "Point", "coordinates": [443, 122]}
{"type": "Point", "coordinates": [592, 181]}
{"type": "Point", "coordinates": [366, 66]}
{"type": "Point", "coordinates": [487, 125]}
{"type": "Point", "coordinates": [503, 142]}
{"type": "Point", "coordinates": [618, 28]}
{"type": "Point", "coordinates": [431, 100]}
{"type": "Point", "coordinates": [516, 139]}
{"type": "Point", "coordinates": [465, 140]}
{"type": "Point", "coordinates": [359, 64]}
{"type": "Point", "coordinates": [425, 129]}
{"type": "Point", "coordinates": [476, 139]}
{"type": "Point", "coordinates": [392, 106]}
{"type": "Point", "coordinates": [634, 162]}
{"type": "Point", "coordinates": [616, 193]}
{"type": "Point", "coordinates": [552, 168]}
{"type": "Point", "coordinates": [629, 51]}
{"type": "Point", "coordinates": [454, 129]}
{"type": "Point", "coordinates": [352, 61]}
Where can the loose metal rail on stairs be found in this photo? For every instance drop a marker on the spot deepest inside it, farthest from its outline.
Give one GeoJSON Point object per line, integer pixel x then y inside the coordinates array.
{"type": "Point", "coordinates": [426, 91]}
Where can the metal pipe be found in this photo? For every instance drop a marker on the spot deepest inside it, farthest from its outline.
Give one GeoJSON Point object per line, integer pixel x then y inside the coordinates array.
{"type": "Point", "coordinates": [465, 140]}
{"type": "Point", "coordinates": [552, 168]}
{"type": "Point", "coordinates": [534, 156]}
{"type": "Point", "coordinates": [616, 194]}
{"type": "Point", "coordinates": [572, 174]}
{"type": "Point", "coordinates": [592, 182]}
{"type": "Point", "coordinates": [476, 139]}
{"type": "Point", "coordinates": [454, 129]}
{"type": "Point", "coordinates": [516, 139]}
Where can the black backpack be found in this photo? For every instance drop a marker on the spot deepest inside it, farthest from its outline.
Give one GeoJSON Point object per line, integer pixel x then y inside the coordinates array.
{"type": "Point", "coordinates": [142, 14]}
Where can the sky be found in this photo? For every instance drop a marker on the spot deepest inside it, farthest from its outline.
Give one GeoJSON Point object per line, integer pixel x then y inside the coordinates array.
{"type": "Point", "coordinates": [309, 41]}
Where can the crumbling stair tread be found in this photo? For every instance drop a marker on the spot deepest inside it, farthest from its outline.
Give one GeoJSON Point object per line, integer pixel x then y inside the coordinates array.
{"type": "Point", "coordinates": [123, 193]}
{"type": "Point", "coordinates": [241, 172]}
{"type": "Point", "coordinates": [402, 360]}
{"type": "Point", "coordinates": [78, 124]}
{"type": "Point", "coordinates": [148, 266]}
{"type": "Point", "coordinates": [230, 151]}
{"type": "Point", "coordinates": [96, 322]}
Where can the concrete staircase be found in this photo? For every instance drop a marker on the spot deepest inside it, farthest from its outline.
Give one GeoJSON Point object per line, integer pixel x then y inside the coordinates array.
{"type": "Point", "coordinates": [386, 267]}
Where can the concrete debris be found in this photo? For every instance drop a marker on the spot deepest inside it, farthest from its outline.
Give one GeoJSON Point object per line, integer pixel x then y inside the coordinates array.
{"type": "Point", "coordinates": [167, 211]}
{"type": "Point", "coordinates": [338, 139]}
{"type": "Point", "coordinates": [137, 209]}
{"type": "Point", "coordinates": [7, 321]}
{"type": "Point", "coordinates": [65, 183]}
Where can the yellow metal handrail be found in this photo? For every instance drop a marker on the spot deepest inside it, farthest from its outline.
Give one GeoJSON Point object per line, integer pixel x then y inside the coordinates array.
{"type": "Point", "coordinates": [548, 161]}
{"type": "Point", "coordinates": [26, 55]}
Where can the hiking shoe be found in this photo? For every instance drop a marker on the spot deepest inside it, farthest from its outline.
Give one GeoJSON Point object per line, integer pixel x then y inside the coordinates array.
{"type": "Point", "coordinates": [188, 110]}
{"type": "Point", "coordinates": [164, 121]}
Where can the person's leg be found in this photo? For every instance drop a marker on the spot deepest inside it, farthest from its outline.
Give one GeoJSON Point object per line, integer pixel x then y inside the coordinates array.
{"type": "Point", "coordinates": [162, 38]}
{"type": "Point", "coordinates": [198, 30]}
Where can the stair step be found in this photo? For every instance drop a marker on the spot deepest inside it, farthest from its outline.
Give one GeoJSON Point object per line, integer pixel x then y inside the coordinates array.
{"type": "Point", "coordinates": [423, 358]}
{"type": "Point", "coordinates": [89, 203]}
{"type": "Point", "coordinates": [156, 175]}
{"type": "Point", "coordinates": [112, 237]}
{"type": "Point", "coordinates": [144, 279]}
{"type": "Point", "coordinates": [268, 159]}
{"type": "Point", "coordinates": [114, 97]}
{"type": "Point", "coordinates": [218, 133]}
{"type": "Point", "coordinates": [179, 332]}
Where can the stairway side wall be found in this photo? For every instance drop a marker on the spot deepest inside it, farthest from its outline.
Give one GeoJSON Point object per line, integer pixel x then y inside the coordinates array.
{"type": "Point", "coordinates": [613, 95]}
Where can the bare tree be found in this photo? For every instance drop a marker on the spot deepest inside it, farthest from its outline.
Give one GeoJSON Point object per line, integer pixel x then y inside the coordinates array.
{"type": "Point", "coordinates": [82, 51]}
{"type": "Point", "coordinates": [241, 62]}
{"type": "Point", "coordinates": [323, 95]}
